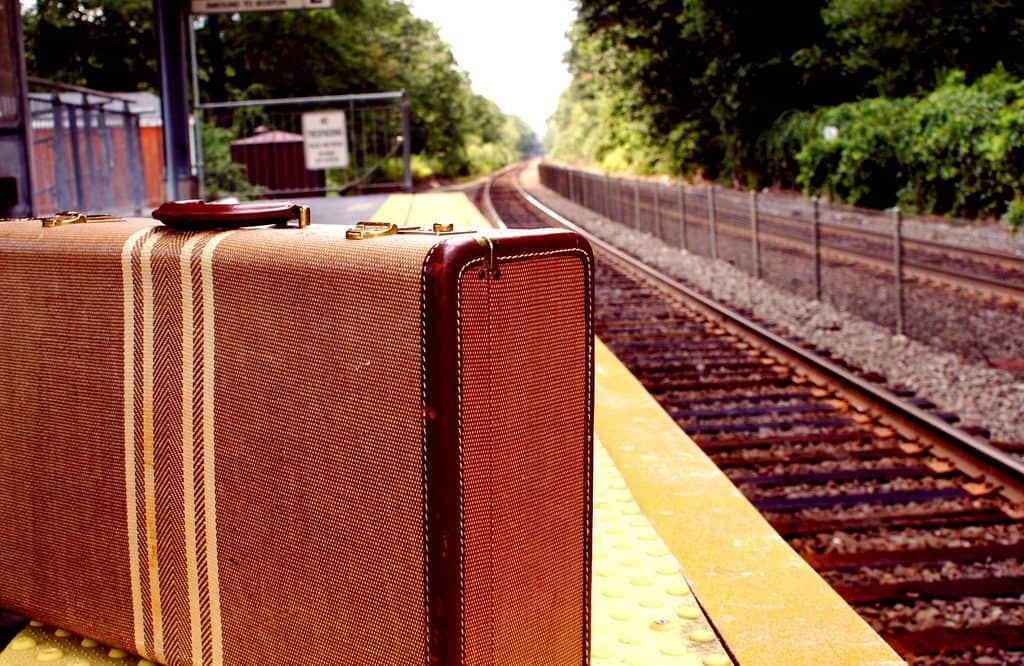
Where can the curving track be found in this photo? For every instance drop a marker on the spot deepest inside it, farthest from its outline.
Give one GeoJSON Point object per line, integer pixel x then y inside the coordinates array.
{"type": "Point", "coordinates": [917, 526]}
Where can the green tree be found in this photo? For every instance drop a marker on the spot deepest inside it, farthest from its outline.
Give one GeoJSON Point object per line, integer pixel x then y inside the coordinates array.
{"type": "Point", "coordinates": [902, 47]}
{"type": "Point", "coordinates": [359, 46]}
{"type": "Point", "coordinates": [741, 91]}
{"type": "Point", "coordinates": [99, 44]}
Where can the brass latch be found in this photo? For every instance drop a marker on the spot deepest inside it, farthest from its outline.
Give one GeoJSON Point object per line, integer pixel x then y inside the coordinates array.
{"type": "Point", "coordinates": [490, 266]}
{"type": "Point", "coordinates": [74, 217]}
{"type": "Point", "coordinates": [364, 230]}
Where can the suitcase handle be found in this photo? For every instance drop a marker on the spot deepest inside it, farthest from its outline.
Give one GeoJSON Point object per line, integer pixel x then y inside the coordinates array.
{"type": "Point", "coordinates": [195, 215]}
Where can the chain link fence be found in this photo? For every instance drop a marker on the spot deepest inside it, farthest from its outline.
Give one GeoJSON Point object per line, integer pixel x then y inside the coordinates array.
{"type": "Point", "coordinates": [853, 258]}
{"type": "Point", "coordinates": [255, 148]}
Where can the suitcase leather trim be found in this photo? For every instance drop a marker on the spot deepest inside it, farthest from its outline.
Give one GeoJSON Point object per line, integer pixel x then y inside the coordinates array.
{"type": "Point", "coordinates": [443, 530]}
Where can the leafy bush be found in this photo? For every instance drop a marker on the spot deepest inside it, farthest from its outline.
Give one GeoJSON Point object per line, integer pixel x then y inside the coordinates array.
{"type": "Point", "coordinates": [957, 158]}
{"type": "Point", "coordinates": [222, 176]}
{"type": "Point", "coordinates": [862, 164]}
{"type": "Point", "coordinates": [958, 150]}
{"type": "Point", "coordinates": [423, 166]}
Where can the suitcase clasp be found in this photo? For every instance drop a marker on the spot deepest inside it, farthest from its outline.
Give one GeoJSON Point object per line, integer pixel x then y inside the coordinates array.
{"type": "Point", "coordinates": [436, 229]}
{"type": "Point", "coordinates": [364, 230]}
{"type": "Point", "coordinates": [74, 217]}
{"type": "Point", "coordinates": [490, 266]}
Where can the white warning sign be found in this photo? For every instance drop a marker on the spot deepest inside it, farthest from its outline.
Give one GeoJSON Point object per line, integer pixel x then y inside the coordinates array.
{"type": "Point", "coordinates": [234, 6]}
{"type": "Point", "coordinates": [325, 139]}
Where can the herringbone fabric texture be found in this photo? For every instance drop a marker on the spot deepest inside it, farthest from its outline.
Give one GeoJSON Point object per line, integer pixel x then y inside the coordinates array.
{"type": "Point", "coordinates": [216, 445]}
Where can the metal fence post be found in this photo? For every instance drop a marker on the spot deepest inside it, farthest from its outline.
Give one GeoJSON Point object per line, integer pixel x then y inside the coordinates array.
{"type": "Point", "coordinates": [755, 240]}
{"type": "Point", "coordinates": [61, 176]}
{"type": "Point", "coordinates": [620, 203]}
{"type": "Point", "coordinates": [657, 210]}
{"type": "Point", "coordinates": [897, 252]}
{"type": "Point", "coordinates": [106, 156]}
{"type": "Point", "coordinates": [90, 155]}
{"type": "Point", "coordinates": [636, 205]}
{"type": "Point", "coordinates": [682, 216]}
{"type": "Point", "coordinates": [607, 212]}
{"type": "Point", "coordinates": [406, 143]}
{"type": "Point", "coordinates": [712, 223]}
{"type": "Point", "coordinates": [197, 124]}
{"type": "Point", "coordinates": [76, 160]}
{"type": "Point", "coordinates": [816, 242]}
{"type": "Point", "coordinates": [133, 148]}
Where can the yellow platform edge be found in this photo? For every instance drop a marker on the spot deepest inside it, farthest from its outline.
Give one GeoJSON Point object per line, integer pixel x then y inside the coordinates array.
{"type": "Point", "coordinates": [767, 603]}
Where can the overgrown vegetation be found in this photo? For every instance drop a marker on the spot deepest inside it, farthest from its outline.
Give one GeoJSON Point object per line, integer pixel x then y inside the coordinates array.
{"type": "Point", "coordinates": [359, 46]}
{"type": "Point", "coordinates": [923, 99]}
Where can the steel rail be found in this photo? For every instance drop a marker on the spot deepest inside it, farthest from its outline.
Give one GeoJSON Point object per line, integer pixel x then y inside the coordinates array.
{"type": "Point", "coordinates": [971, 455]}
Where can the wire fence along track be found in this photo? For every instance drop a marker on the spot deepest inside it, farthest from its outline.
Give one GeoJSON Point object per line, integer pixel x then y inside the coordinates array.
{"type": "Point", "coordinates": [929, 555]}
{"type": "Point", "coordinates": [740, 227]}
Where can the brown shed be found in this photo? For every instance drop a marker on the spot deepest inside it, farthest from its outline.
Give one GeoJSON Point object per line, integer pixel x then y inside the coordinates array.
{"type": "Point", "coordinates": [274, 159]}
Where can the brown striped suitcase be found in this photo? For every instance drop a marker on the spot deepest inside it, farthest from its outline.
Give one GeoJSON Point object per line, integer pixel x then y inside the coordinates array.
{"type": "Point", "coordinates": [289, 446]}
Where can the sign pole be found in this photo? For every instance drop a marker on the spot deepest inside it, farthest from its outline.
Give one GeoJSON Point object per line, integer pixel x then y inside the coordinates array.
{"type": "Point", "coordinates": [16, 190]}
{"type": "Point", "coordinates": [171, 22]}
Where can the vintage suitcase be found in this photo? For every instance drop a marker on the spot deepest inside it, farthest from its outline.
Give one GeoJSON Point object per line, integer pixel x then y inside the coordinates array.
{"type": "Point", "coordinates": [319, 445]}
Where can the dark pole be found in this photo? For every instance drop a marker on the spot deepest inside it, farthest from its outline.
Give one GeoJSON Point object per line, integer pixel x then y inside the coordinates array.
{"type": "Point", "coordinates": [406, 144]}
{"type": "Point", "coordinates": [16, 193]}
{"type": "Point", "coordinates": [816, 242]}
{"type": "Point", "coordinates": [682, 217]}
{"type": "Point", "coordinates": [171, 23]}
{"type": "Point", "coordinates": [755, 240]}
{"type": "Point", "coordinates": [712, 222]}
{"type": "Point", "coordinates": [657, 210]}
{"type": "Point", "coordinates": [897, 258]}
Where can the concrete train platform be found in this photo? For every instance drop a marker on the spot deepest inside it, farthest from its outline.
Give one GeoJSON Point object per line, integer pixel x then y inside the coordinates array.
{"type": "Point", "coordinates": [686, 571]}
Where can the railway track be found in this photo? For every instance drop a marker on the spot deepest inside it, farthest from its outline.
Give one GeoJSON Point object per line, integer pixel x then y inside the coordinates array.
{"type": "Point", "coordinates": [917, 526]}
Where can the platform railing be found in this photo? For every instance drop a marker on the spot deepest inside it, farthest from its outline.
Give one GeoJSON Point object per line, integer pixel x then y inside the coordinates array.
{"type": "Point", "coordinates": [86, 149]}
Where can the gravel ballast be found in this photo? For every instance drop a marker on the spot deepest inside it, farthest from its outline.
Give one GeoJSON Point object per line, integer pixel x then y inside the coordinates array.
{"type": "Point", "coordinates": [980, 395]}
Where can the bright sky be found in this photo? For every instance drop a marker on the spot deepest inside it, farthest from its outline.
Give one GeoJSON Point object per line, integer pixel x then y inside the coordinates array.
{"type": "Point", "coordinates": [511, 50]}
